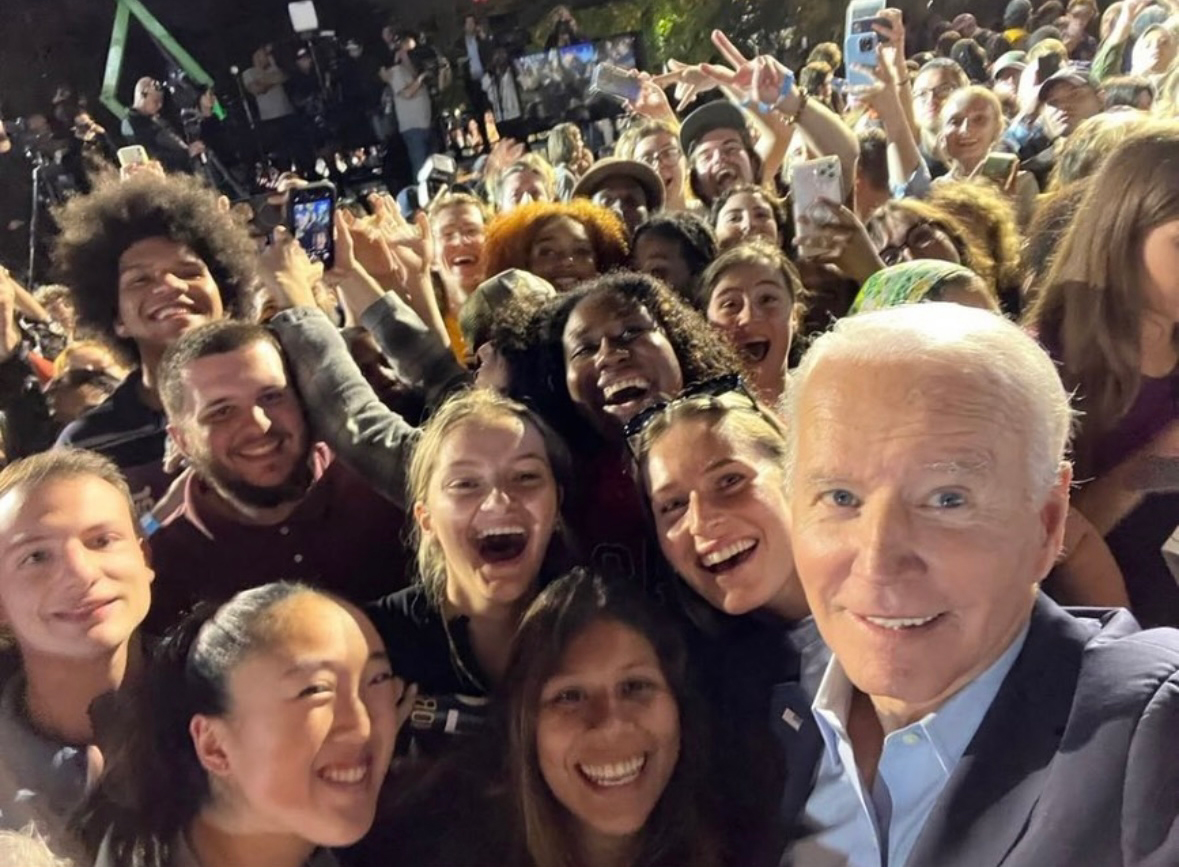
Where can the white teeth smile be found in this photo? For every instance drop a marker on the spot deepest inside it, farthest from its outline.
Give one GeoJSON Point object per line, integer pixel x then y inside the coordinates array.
{"type": "Point", "coordinates": [172, 310]}
{"type": "Point", "coordinates": [621, 385]}
{"type": "Point", "coordinates": [616, 774]}
{"type": "Point", "coordinates": [260, 450]}
{"type": "Point", "coordinates": [502, 531]}
{"type": "Point", "coordinates": [347, 775]}
{"type": "Point", "coordinates": [728, 552]}
{"type": "Point", "coordinates": [463, 260]}
{"type": "Point", "coordinates": [900, 622]}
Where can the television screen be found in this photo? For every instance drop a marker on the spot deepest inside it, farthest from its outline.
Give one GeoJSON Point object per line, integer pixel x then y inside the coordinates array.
{"type": "Point", "coordinates": [554, 84]}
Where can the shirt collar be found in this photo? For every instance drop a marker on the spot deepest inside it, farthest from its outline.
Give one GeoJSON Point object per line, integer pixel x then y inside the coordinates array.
{"type": "Point", "coordinates": [950, 728]}
{"type": "Point", "coordinates": [209, 523]}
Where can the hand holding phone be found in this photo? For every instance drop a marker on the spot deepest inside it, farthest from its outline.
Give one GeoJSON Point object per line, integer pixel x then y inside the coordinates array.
{"type": "Point", "coordinates": [615, 81]}
{"type": "Point", "coordinates": [311, 215]}
{"type": "Point", "coordinates": [812, 184]}
{"type": "Point", "coordinates": [999, 167]}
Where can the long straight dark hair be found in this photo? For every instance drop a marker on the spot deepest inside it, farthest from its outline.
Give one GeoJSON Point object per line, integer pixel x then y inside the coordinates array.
{"type": "Point", "coordinates": [154, 785]}
{"type": "Point", "coordinates": [679, 832]}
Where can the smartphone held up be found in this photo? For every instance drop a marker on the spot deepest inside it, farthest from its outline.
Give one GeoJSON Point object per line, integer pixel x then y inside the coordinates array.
{"type": "Point", "coordinates": [311, 213]}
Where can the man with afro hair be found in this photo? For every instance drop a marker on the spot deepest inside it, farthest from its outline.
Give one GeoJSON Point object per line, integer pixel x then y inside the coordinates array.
{"type": "Point", "coordinates": [147, 259]}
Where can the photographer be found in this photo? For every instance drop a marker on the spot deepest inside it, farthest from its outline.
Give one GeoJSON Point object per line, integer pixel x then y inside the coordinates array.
{"type": "Point", "coordinates": [146, 127]}
{"type": "Point", "coordinates": [411, 95]}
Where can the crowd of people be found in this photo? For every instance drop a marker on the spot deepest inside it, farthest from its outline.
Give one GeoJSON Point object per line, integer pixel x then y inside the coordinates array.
{"type": "Point", "coordinates": [629, 509]}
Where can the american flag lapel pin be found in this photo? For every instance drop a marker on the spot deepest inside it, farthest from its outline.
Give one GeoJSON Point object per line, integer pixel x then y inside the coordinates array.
{"type": "Point", "coordinates": [792, 719]}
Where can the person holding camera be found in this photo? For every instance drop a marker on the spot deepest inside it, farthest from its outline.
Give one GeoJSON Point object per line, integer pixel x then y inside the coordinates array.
{"type": "Point", "coordinates": [145, 126]}
{"type": "Point", "coordinates": [411, 97]}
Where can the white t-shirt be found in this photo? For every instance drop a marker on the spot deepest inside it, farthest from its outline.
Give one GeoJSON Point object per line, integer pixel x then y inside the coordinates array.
{"type": "Point", "coordinates": [274, 102]}
{"type": "Point", "coordinates": [413, 112]}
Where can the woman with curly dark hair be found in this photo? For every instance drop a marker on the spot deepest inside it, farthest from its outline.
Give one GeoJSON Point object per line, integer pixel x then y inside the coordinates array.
{"type": "Point", "coordinates": [607, 351]}
{"type": "Point", "coordinates": [562, 242]}
{"type": "Point", "coordinates": [147, 259]}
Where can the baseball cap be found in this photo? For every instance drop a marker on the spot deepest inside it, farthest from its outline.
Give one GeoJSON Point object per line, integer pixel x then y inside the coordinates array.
{"type": "Point", "coordinates": [1009, 60]}
{"type": "Point", "coordinates": [1072, 74]}
{"type": "Point", "coordinates": [719, 114]}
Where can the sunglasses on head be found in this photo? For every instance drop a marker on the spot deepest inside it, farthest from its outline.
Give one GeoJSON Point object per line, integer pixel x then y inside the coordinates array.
{"type": "Point", "coordinates": [731, 384]}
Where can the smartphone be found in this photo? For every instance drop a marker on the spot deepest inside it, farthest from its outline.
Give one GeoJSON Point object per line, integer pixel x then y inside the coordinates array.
{"type": "Point", "coordinates": [858, 10]}
{"type": "Point", "coordinates": [614, 81]}
{"type": "Point", "coordinates": [811, 183]}
{"type": "Point", "coordinates": [133, 155]}
{"type": "Point", "coordinates": [860, 49]}
{"type": "Point", "coordinates": [1047, 66]}
{"type": "Point", "coordinates": [999, 167]}
{"type": "Point", "coordinates": [311, 213]}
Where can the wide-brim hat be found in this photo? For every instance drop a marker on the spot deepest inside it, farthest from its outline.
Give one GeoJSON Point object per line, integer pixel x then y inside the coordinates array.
{"type": "Point", "coordinates": [612, 167]}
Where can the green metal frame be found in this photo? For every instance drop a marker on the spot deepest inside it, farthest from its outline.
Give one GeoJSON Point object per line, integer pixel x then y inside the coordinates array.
{"type": "Point", "coordinates": [124, 10]}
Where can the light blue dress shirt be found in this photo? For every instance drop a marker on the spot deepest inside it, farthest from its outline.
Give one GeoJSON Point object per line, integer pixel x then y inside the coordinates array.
{"type": "Point", "coordinates": [879, 828]}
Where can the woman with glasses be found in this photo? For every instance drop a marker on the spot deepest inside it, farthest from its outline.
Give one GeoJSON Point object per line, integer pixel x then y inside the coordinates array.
{"type": "Point", "coordinates": [656, 143]}
{"type": "Point", "coordinates": [932, 86]}
{"type": "Point", "coordinates": [905, 230]}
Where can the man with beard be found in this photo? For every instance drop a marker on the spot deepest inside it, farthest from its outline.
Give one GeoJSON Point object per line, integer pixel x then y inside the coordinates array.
{"type": "Point", "coordinates": [263, 501]}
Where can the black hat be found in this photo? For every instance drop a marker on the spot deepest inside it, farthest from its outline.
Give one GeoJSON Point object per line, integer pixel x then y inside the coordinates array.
{"type": "Point", "coordinates": [719, 114]}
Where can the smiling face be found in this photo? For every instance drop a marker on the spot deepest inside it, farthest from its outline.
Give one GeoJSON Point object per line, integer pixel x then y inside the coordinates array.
{"type": "Point", "coordinates": [608, 732]}
{"type": "Point", "coordinates": [459, 236]}
{"type": "Point", "coordinates": [661, 151]}
{"type": "Point", "coordinates": [311, 725]}
{"type": "Point", "coordinates": [617, 361]}
{"type": "Point", "coordinates": [754, 307]}
{"type": "Point", "coordinates": [491, 505]}
{"type": "Point", "coordinates": [74, 578]}
{"type": "Point", "coordinates": [562, 253]}
{"type": "Point", "coordinates": [720, 510]}
{"type": "Point", "coordinates": [917, 536]}
{"type": "Point", "coordinates": [744, 216]}
{"type": "Point", "coordinates": [970, 128]}
{"type": "Point", "coordinates": [165, 289]}
{"type": "Point", "coordinates": [242, 427]}
{"type": "Point", "coordinates": [721, 161]}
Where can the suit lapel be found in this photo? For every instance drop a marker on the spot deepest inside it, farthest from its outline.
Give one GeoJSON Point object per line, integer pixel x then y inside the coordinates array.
{"type": "Point", "coordinates": [989, 798]}
{"type": "Point", "coordinates": [794, 723]}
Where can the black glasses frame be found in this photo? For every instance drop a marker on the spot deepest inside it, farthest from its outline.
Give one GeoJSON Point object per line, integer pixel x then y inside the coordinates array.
{"type": "Point", "coordinates": [730, 383]}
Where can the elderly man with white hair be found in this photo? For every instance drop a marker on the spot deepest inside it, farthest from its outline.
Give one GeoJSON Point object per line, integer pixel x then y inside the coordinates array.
{"type": "Point", "coordinates": [963, 719]}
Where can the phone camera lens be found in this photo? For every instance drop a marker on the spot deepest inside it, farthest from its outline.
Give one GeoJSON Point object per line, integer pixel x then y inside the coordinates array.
{"type": "Point", "coordinates": [866, 43]}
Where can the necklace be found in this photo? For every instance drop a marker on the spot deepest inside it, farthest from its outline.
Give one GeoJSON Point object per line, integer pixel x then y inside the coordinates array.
{"type": "Point", "coordinates": [456, 658]}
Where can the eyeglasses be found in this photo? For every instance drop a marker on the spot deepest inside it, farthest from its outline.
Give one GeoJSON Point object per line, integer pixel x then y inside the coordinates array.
{"type": "Point", "coordinates": [919, 238]}
{"type": "Point", "coordinates": [664, 156]}
{"type": "Point", "coordinates": [940, 92]}
{"type": "Point", "coordinates": [722, 388]}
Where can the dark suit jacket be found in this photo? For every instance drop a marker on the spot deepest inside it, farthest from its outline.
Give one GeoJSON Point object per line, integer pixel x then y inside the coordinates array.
{"type": "Point", "coordinates": [1076, 764]}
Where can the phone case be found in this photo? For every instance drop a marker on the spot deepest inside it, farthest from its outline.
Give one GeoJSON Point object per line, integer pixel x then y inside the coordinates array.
{"type": "Point", "coordinates": [613, 81]}
{"type": "Point", "coordinates": [858, 9]}
{"type": "Point", "coordinates": [859, 49]}
{"type": "Point", "coordinates": [815, 180]}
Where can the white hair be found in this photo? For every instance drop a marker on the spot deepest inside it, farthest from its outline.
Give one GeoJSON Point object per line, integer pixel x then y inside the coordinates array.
{"type": "Point", "coordinates": [973, 342]}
